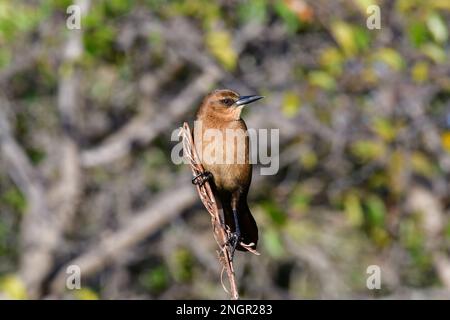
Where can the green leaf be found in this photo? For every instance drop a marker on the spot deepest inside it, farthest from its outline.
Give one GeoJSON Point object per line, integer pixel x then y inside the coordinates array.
{"type": "Point", "coordinates": [15, 199]}
{"type": "Point", "coordinates": [207, 11]}
{"type": "Point", "coordinates": [273, 243]}
{"type": "Point", "coordinates": [17, 18]}
{"type": "Point", "coordinates": [447, 231]}
{"type": "Point", "coordinates": [156, 279]}
{"type": "Point", "coordinates": [36, 155]}
{"type": "Point", "coordinates": [362, 38]}
{"type": "Point", "coordinates": [99, 42]}
{"type": "Point", "coordinates": [274, 212]}
{"type": "Point", "coordinates": [182, 263]}
{"type": "Point", "coordinates": [300, 201]}
{"type": "Point", "coordinates": [115, 8]}
{"type": "Point", "coordinates": [5, 57]}
{"type": "Point", "coordinates": [376, 211]}
{"type": "Point", "coordinates": [418, 33]}
{"type": "Point", "coordinates": [289, 18]}
{"type": "Point", "coordinates": [255, 10]}
{"type": "Point", "coordinates": [411, 235]}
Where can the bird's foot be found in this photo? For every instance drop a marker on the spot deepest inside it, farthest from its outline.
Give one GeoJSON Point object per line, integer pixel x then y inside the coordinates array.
{"type": "Point", "coordinates": [233, 241]}
{"type": "Point", "coordinates": [201, 178]}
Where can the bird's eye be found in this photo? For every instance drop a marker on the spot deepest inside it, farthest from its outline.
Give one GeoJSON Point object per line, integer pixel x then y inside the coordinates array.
{"type": "Point", "coordinates": [227, 102]}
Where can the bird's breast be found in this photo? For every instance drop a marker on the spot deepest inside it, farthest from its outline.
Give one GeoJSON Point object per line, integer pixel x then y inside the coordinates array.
{"type": "Point", "coordinates": [224, 151]}
{"type": "Point", "coordinates": [230, 177]}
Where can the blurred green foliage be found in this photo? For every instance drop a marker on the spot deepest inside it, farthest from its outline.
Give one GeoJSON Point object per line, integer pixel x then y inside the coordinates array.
{"type": "Point", "coordinates": [155, 280]}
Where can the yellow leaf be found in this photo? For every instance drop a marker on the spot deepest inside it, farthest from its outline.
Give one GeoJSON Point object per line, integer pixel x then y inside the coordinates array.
{"type": "Point", "coordinates": [344, 36]}
{"type": "Point", "coordinates": [86, 294]}
{"type": "Point", "coordinates": [353, 209]}
{"type": "Point", "coordinates": [445, 138]}
{"type": "Point", "coordinates": [308, 159]}
{"type": "Point", "coordinates": [439, 4]}
{"type": "Point", "coordinates": [391, 57]}
{"type": "Point", "coordinates": [13, 287]}
{"type": "Point", "coordinates": [331, 59]}
{"type": "Point", "coordinates": [419, 72]}
{"type": "Point", "coordinates": [369, 77]}
{"type": "Point", "coordinates": [404, 5]}
{"type": "Point", "coordinates": [377, 180]}
{"type": "Point", "coordinates": [380, 236]}
{"type": "Point", "coordinates": [219, 43]}
{"type": "Point", "coordinates": [396, 172]}
{"type": "Point", "coordinates": [421, 164]}
{"type": "Point", "coordinates": [434, 52]}
{"type": "Point", "coordinates": [363, 4]}
{"type": "Point", "coordinates": [384, 128]}
{"type": "Point", "coordinates": [301, 232]}
{"type": "Point", "coordinates": [322, 79]}
{"type": "Point", "coordinates": [368, 149]}
{"type": "Point", "coordinates": [291, 104]}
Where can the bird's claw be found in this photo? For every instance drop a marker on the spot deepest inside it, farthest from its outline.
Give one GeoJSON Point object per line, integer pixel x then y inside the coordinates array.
{"type": "Point", "coordinates": [233, 241]}
{"type": "Point", "coordinates": [201, 178]}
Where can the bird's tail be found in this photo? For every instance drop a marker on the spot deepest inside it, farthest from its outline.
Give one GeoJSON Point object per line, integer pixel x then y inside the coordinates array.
{"type": "Point", "coordinates": [247, 224]}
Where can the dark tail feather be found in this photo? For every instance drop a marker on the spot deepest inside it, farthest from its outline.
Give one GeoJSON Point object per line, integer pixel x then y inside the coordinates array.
{"type": "Point", "coordinates": [247, 225]}
{"type": "Point", "coordinates": [249, 229]}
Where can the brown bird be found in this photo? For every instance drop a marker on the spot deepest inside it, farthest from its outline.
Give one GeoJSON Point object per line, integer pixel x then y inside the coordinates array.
{"type": "Point", "coordinates": [222, 142]}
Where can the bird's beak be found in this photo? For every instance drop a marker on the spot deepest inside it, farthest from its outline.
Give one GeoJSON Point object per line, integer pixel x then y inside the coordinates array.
{"type": "Point", "coordinates": [243, 100]}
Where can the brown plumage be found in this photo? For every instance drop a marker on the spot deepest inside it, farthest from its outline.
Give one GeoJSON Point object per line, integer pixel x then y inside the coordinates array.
{"type": "Point", "coordinates": [224, 153]}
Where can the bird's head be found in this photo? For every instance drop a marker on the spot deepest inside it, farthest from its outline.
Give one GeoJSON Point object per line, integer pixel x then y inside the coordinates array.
{"type": "Point", "coordinates": [225, 104]}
